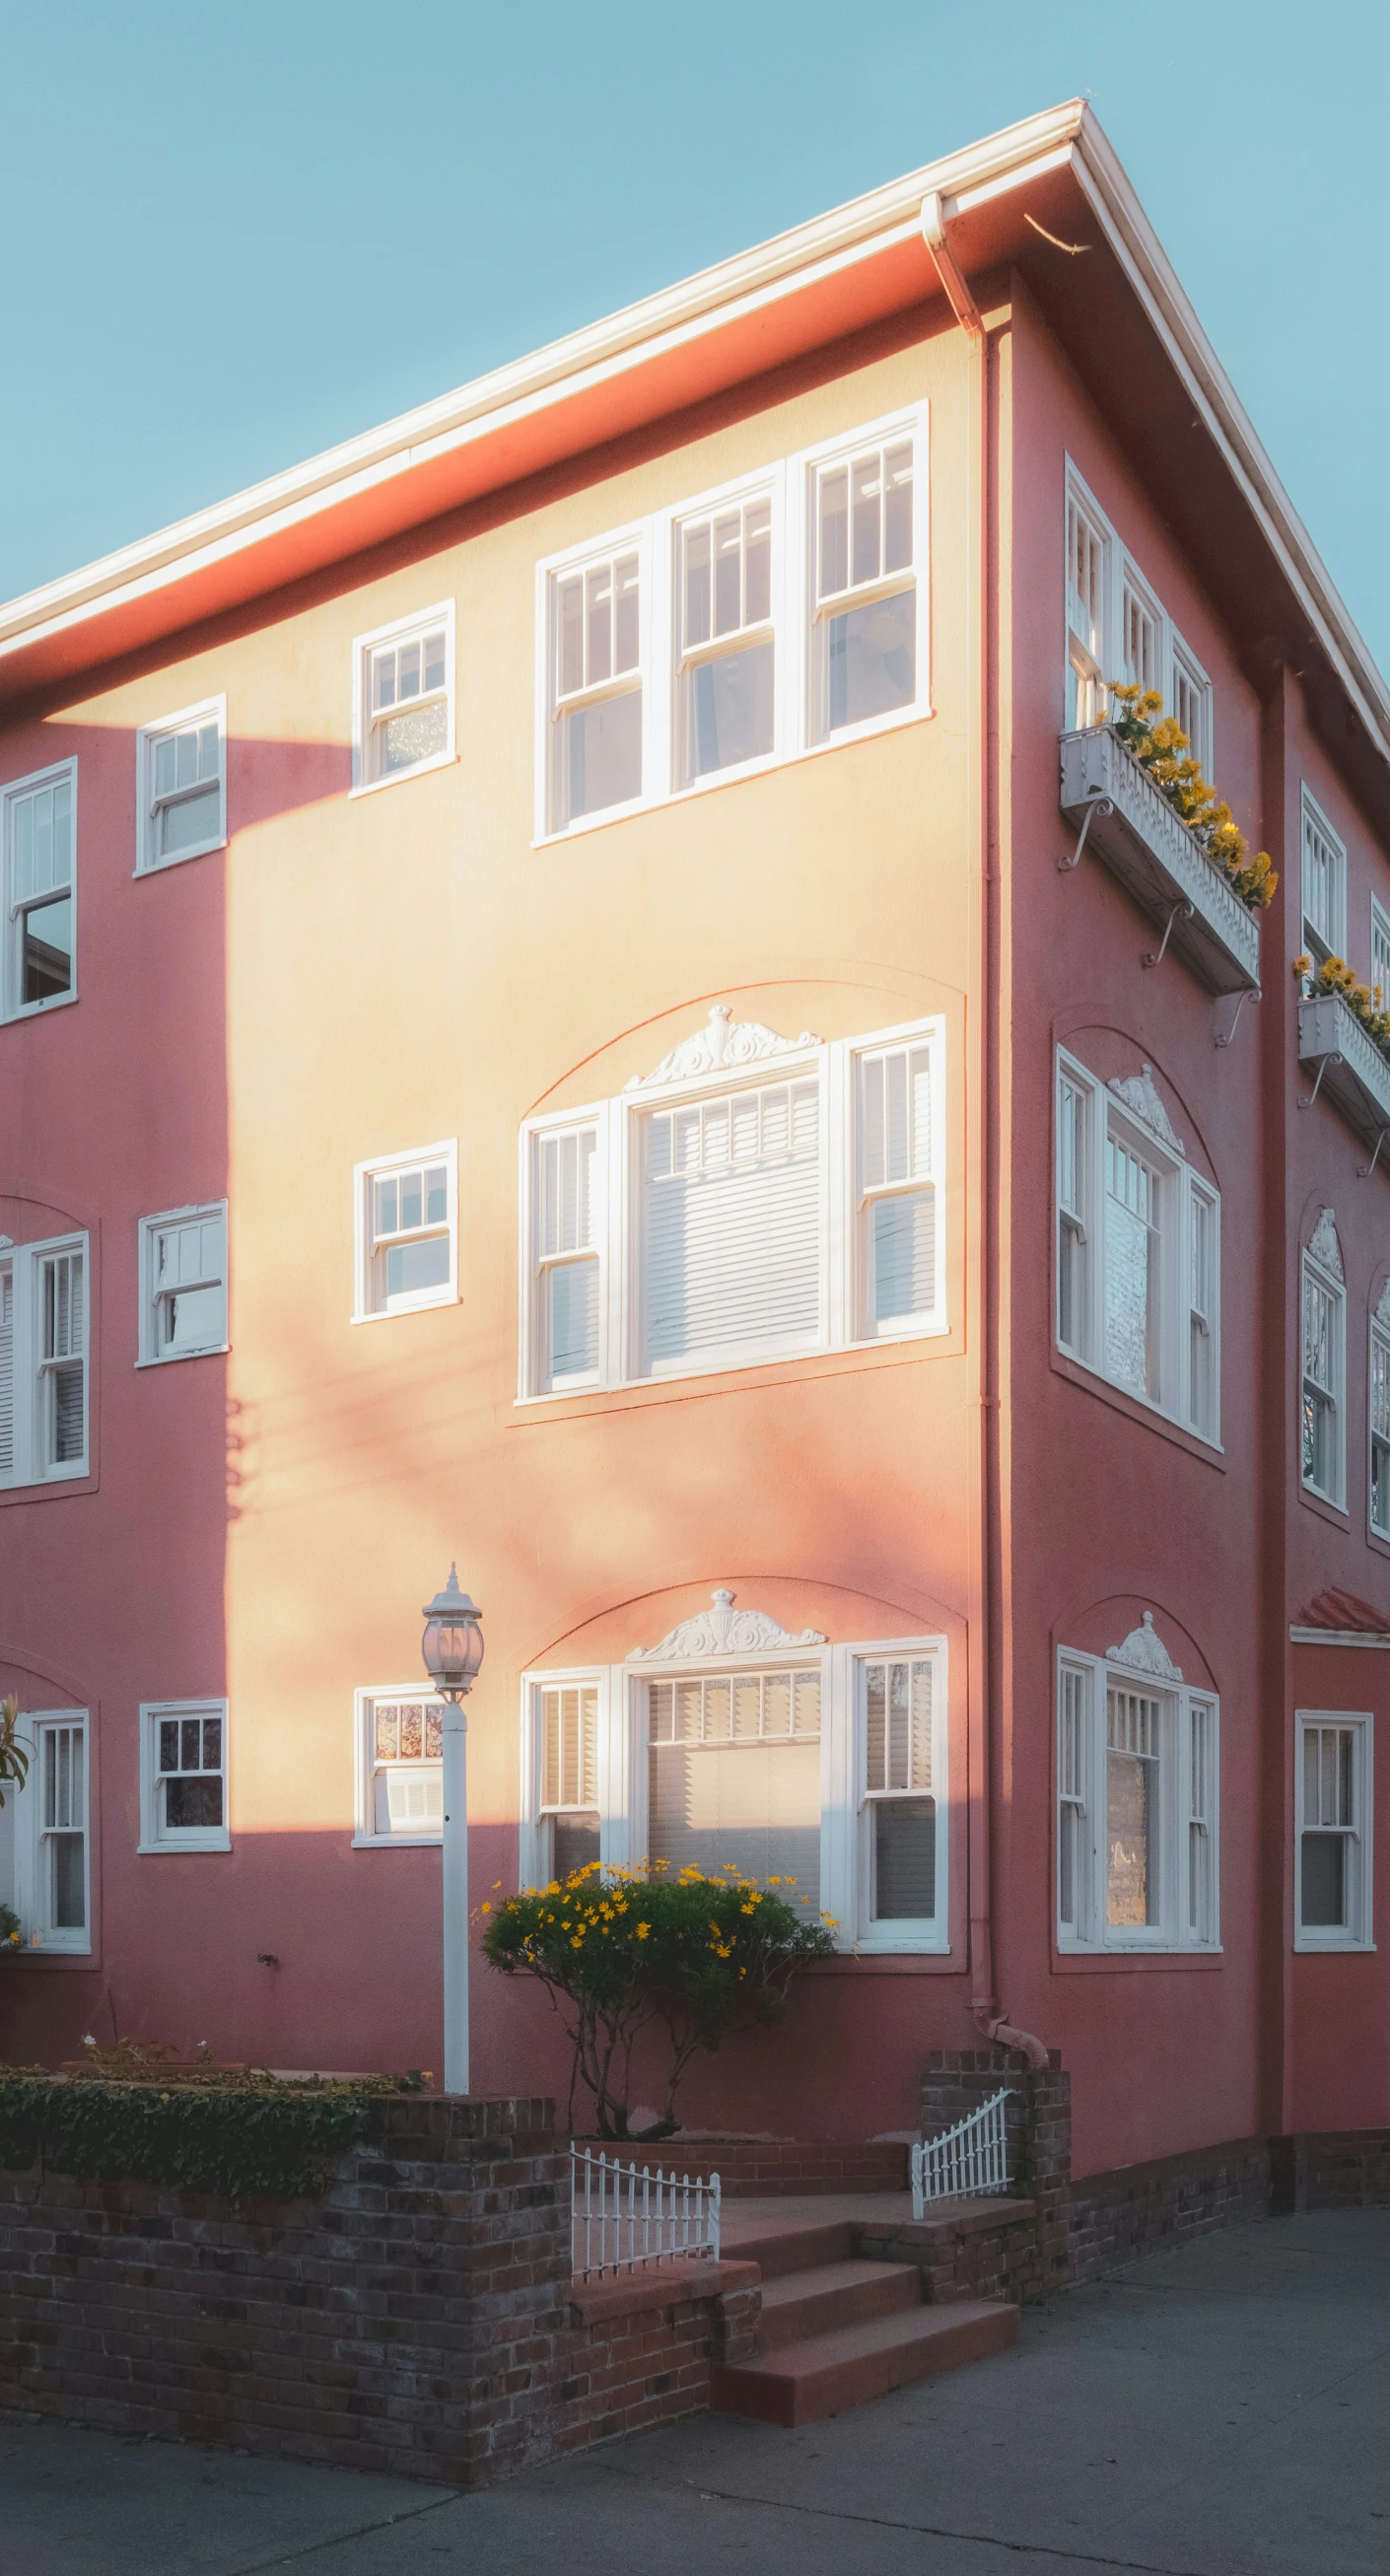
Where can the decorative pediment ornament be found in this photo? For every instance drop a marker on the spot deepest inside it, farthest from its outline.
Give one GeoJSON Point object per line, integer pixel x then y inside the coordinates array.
{"type": "Point", "coordinates": [1145, 1652]}
{"type": "Point", "coordinates": [1137, 1092]}
{"type": "Point", "coordinates": [1324, 1246]}
{"type": "Point", "coordinates": [1383, 1309]}
{"type": "Point", "coordinates": [726, 1042]}
{"type": "Point", "coordinates": [723, 1630]}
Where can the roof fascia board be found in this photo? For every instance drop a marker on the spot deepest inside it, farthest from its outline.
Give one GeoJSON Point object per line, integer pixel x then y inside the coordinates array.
{"type": "Point", "coordinates": [712, 300]}
{"type": "Point", "coordinates": [1339, 1637]}
{"type": "Point", "coordinates": [1153, 280]}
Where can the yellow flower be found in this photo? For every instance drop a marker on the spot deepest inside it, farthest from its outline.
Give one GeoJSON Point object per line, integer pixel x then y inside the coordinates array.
{"type": "Point", "coordinates": [485, 1908]}
{"type": "Point", "coordinates": [642, 1930]}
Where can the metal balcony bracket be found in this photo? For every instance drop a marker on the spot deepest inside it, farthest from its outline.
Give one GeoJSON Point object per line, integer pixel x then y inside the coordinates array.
{"type": "Point", "coordinates": [1180, 912]}
{"type": "Point", "coordinates": [1364, 1170]}
{"type": "Point", "coordinates": [1249, 995]}
{"type": "Point", "coordinates": [1100, 805]}
{"type": "Point", "coordinates": [1322, 1068]}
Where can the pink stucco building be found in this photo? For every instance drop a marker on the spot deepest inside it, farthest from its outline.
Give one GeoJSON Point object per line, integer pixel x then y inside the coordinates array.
{"type": "Point", "coordinates": [545, 1022]}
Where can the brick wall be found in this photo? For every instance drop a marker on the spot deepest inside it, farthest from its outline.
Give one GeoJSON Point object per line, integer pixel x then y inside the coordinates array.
{"type": "Point", "coordinates": [757, 2168]}
{"type": "Point", "coordinates": [1336, 2169]}
{"type": "Point", "coordinates": [417, 2319]}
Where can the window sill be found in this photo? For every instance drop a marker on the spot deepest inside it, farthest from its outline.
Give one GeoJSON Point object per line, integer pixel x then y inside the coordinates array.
{"type": "Point", "coordinates": [1346, 1947]}
{"type": "Point", "coordinates": [1092, 1960]}
{"type": "Point", "coordinates": [399, 1314]}
{"type": "Point", "coordinates": [397, 1842]}
{"type": "Point", "coordinates": [173, 1359]}
{"type": "Point", "coordinates": [746, 1374]}
{"type": "Point", "coordinates": [1335, 1514]}
{"type": "Point", "coordinates": [1091, 1382]}
{"type": "Point", "coordinates": [399, 777]}
{"type": "Point", "coordinates": [875, 1945]}
{"type": "Point", "coordinates": [38, 1010]}
{"type": "Point", "coordinates": [180, 858]}
{"type": "Point", "coordinates": [209, 1842]}
{"type": "Point", "coordinates": [775, 760]}
{"type": "Point", "coordinates": [67, 1952]}
{"type": "Point", "coordinates": [51, 1488]}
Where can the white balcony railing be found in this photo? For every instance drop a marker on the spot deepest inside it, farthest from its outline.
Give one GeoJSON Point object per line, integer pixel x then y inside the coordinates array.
{"type": "Point", "coordinates": [1350, 1066]}
{"type": "Point", "coordinates": [623, 2217]}
{"type": "Point", "coordinates": [1132, 827]}
{"type": "Point", "coordinates": [965, 2161]}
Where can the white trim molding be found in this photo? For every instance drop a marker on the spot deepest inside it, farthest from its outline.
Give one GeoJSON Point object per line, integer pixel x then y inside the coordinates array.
{"type": "Point", "coordinates": [719, 1047]}
{"type": "Point", "coordinates": [723, 1630]}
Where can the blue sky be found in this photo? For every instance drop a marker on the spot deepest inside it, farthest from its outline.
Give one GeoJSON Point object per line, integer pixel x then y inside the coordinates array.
{"type": "Point", "coordinates": [235, 235]}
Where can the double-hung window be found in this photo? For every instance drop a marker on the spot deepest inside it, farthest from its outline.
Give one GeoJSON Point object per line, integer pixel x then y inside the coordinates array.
{"type": "Point", "coordinates": [1380, 955]}
{"type": "Point", "coordinates": [864, 623]}
{"type": "Point", "coordinates": [39, 818]}
{"type": "Point", "coordinates": [52, 1879]}
{"type": "Point", "coordinates": [1137, 1803]}
{"type": "Point", "coordinates": [1117, 629]}
{"type": "Point", "coordinates": [1332, 1823]}
{"type": "Point", "coordinates": [400, 1767]}
{"type": "Point", "coordinates": [1324, 885]}
{"type": "Point", "coordinates": [183, 1283]}
{"type": "Point", "coordinates": [1138, 1248]}
{"type": "Point", "coordinates": [1322, 1398]}
{"type": "Point", "coordinates": [407, 1231]}
{"type": "Point", "coordinates": [183, 1776]}
{"type": "Point", "coordinates": [181, 786]}
{"type": "Point", "coordinates": [43, 1362]}
{"type": "Point", "coordinates": [754, 623]}
{"type": "Point", "coordinates": [753, 1198]}
{"type": "Point", "coordinates": [1378, 1427]}
{"type": "Point", "coordinates": [403, 698]}
{"type": "Point", "coordinates": [821, 1771]}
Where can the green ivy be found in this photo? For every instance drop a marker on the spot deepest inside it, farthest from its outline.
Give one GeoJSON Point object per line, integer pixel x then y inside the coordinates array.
{"type": "Point", "coordinates": [258, 2139]}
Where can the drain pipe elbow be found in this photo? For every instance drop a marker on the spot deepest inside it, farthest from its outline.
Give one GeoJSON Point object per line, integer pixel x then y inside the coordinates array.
{"type": "Point", "coordinates": [1003, 2034]}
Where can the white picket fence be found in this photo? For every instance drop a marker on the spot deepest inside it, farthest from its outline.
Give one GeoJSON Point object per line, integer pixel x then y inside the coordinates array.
{"type": "Point", "coordinates": [623, 2217]}
{"type": "Point", "coordinates": [971, 2158]}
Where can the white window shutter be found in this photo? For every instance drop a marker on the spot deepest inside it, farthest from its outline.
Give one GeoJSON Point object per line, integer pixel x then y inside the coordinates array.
{"type": "Point", "coordinates": [731, 1223]}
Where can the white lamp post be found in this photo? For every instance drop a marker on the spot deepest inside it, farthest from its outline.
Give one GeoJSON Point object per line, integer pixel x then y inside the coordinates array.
{"type": "Point", "coordinates": [452, 1647]}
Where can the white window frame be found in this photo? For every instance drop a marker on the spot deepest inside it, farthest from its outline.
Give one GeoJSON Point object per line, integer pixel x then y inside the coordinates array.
{"type": "Point", "coordinates": [1080, 1785]}
{"type": "Point", "coordinates": [1380, 952]}
{"type": "Point", "coordinates": [843, 1323]}
{"type": "Point", "coordinates": [31, 1370]}
{"type": "Point", "coordinates": [789, 482]}
{"type": "Point", "coordinates": [382, 1167]}
{"type": "Point", "coordinates": [1080, 1242]}
{"type": "Point", "coordinates": [155, 1835]}
{"type": "Point", "coordinates": [400, 630]}
{"type": "Point", "coordinates": [1358, 1932]}
{"type": "Point", "coordinates": [12, 910]}
{"type": "Point", "coordinates": [213, 1211]}
{"type": "Point", "coordinates": [1315, 822]}
{"type": "Point", "coordinates": [365, 1835]}
{"type": "Point", "coordinates": [148, 861]}
{"type": "Point", "coordinates": [845, 1820]}
{"type": "Point", "coordinates": [1378, 1350]}
{"type": "Point", "coordinates": [32, 1882]}
{"type": "Point", "coordinates": [1317, 1274]}
{"type": "Point", "coordinates": [1088, 673]}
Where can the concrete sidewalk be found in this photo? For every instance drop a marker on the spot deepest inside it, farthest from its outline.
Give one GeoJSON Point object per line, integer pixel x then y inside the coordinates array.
{"type": "Point", "coordinates": [1224, 2411]}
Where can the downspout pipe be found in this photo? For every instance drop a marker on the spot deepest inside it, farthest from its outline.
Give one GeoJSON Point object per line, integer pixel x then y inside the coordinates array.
{"type": "Point", "coordinates": [988, 2016]}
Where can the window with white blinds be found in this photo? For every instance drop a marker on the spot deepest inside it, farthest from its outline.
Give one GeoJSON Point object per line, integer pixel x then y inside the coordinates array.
{"type": "Point", "coordinates": [1137, 1810]}
{"type": "Point", "coordinates": [183, 1279]}
{"type": "Point", "coordinates": [699, 1229]}
{"type": "Point", "coordinates": [731, 1224]}
{"type": "Point", "coordinates": [1324, 884]}
{"type": "Point", "coordinates": [899, 1787]}
{"type": "Point", "coordinates": [734, 1777]}
{"type": "Point", "coordinates": [43, 1362]}
{"type": "Point", "coordinates": [568, 1802]}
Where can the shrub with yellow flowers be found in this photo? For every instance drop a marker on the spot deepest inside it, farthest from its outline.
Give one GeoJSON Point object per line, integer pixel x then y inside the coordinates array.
{"type": "Point", "coordinates": [1161, 747]}
{"type": "Point", "coordinates": [1333, 975]}
{"type": "Point", "coordinates": [627, 1952]}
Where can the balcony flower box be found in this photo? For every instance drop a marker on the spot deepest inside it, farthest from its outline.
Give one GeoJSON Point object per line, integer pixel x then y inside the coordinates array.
{"type": "Point", "coordinates": [1135, 831]}
{"type": "Point", "coordinates": [1348, 1064]}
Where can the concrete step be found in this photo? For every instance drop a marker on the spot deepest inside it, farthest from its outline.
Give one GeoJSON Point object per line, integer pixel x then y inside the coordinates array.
{"type": "Point", "coordinates": [797, 2245]}
{"type": "Point", "coordinates": [835, 2294]}
{"type": "Point", "coordinates": [827, 2373]}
